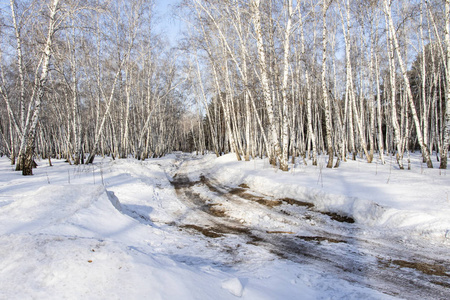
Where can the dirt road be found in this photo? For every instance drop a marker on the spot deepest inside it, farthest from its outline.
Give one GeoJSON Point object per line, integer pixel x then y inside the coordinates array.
{"type": "Point", "coordinates": [327, 241]}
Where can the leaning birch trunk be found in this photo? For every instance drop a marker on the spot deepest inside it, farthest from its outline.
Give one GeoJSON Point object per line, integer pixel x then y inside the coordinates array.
{"type": "Point", "coordinates": [28, 138]}
{"type": "Point", "coordinates": [93, 152]}
{"type": "Point", "coordinates": [99, 129]}
{"type": "Point", "coordinates": [326, 105]}
{"type": "Point", "coordinates": [424, 148]}
{"type": "Point", "coordinates": [444, 154]}
{"type": "Point", "coordinates": [205, 103]}
{"type": "Point", "coordinates": [226, 111]}
{"type": "Point", "coordinates": [234, 138]}
{"type": "Point", "coordinates": [267, 94]}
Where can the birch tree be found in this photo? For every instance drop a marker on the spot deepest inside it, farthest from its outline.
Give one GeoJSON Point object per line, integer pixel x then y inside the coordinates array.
{"type": "Point", "coordinates": [444, 155]}
{"type": "Point", "coordinates": [424, 148]}
{"type": "Point", "coordinates": [26, 151]}
{"type": "Point", "coordinates": [326, 105]}
{"type": "Point", "coordinates": [266, 89]}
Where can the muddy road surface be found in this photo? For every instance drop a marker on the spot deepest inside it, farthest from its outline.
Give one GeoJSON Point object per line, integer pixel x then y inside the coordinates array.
{"type": "Point", "coordinates": [294, 230]}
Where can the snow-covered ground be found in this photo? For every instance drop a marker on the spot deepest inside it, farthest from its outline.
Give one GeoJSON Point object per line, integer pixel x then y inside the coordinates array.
{"type": "Point", "coordinates": [118, 229]}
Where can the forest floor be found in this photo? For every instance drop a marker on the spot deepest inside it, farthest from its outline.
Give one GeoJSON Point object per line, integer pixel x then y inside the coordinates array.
{"type": "Point", "coordinates": [200, 227]}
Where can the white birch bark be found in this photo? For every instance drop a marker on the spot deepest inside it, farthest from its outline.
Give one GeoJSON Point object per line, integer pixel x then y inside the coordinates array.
{"type": "Point", "coordinates": [326, 105]}
{"type": "Point", "coordinates": [19, 64]}
{"type": "Point", "coordinates": [444, 155]}
{"type": "Point", "coordinates": [311, 133]}
{"type": "Point", "coordinates": [28, 136]}
{"type": "Point", "coordinates": [265, 83]}
{"type": "Point", "coordinates": [424, 148]}
{"type": "Point", "coordinates": [285, 122]}
{"type": "Point", "coordinates": [425, 112]}
{"type": "Point", "coordinates": [379, 112]}
{"type": "Point", "coordinates": [393, 88]}
{"type": "Point", "coordinates": [349, 81]}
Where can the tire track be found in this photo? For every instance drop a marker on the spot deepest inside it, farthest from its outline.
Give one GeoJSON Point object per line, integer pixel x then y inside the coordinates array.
{"type": "Point", "coordinates": [333, 243]}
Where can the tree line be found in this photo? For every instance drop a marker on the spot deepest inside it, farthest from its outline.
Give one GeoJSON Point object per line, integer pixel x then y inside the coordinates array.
{"type": "Point", "coordinates": [80, 78]}
{"type": "Point", "coordinates": [287, 79]}
{"type": "Point", "coordinates": [282, 79]}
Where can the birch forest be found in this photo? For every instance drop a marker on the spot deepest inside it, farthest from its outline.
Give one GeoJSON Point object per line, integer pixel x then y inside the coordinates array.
{"type": "Point", "coordinates": [289, 80]}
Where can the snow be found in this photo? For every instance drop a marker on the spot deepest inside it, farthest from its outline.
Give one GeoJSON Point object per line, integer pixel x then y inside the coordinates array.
{"type": "Point", "coordinates": [416, 201]}
{"type": "Point", "coordinates": [234, 286]}
{"type": "Point", "coordinates": [104, 231]}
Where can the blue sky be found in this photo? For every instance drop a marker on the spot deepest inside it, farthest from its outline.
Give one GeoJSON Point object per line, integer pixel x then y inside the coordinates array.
{"type": "Point", "coordinates": [167, 23]}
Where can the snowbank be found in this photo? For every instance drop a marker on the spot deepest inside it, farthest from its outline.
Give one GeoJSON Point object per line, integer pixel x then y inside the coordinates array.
{"type": "Point", "coordinates": [411, 202]}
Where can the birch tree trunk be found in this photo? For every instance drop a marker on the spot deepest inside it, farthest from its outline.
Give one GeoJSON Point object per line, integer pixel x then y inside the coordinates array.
{"type": "Point", "coordinates": [29, 136]}
{"type": "Point", "coordinates": [19, 65]}
{"type": "Point", "coordinates": [423, 146]}
{"type": "Point", "coordinates": [446, 129]}
{"type": "Point", "coordinates": [267, 93]}
{"type": "Point", "coordinates": [309, 117]}
{"type": "Point", "coordinates": [393, 88]}
{"type": "Point", "coordinates": [326, 105]}
{"type": "Point", "coordinates": [285, 122]}
{"type": "Point", "coordinates": [349, 85]}
{"type": "Point", "coordinates": [379, 112]}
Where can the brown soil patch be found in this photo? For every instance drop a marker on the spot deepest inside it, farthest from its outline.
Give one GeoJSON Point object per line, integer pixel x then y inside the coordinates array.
{"type": "Point", "coordinates": [444, 284]}
{"type": "Point", "coordinates": [320, 239]}
{"type": "Point", "coordinates": [216, 211]}
{"type": "Point", "coordinates": [211, 187]}
{"type": "Point", "coordinates": [339, 218]}
{"type": "Point", "coordinates": [269, 203]}
{"type": "Point", "coordinates": [241, 192]}
{"type": "Point", "coordinates": [203, 230]}
{"type": "Point", "coordinates": [244, 186]}
{"type": "Point", "coordinates": [237, 191]}
{"type": "Point", "coordinates": [297, 202]}
{"type": "Point", "coordinates": [425, 268]}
